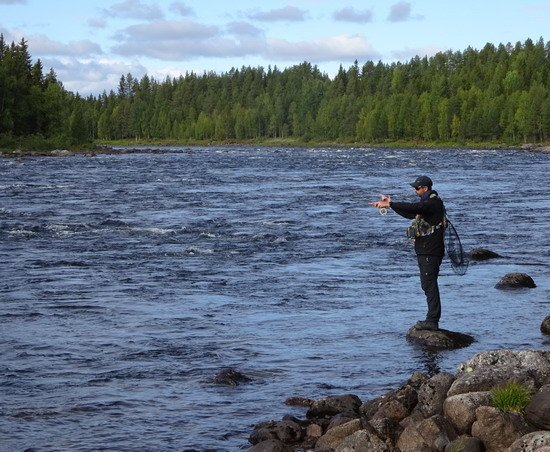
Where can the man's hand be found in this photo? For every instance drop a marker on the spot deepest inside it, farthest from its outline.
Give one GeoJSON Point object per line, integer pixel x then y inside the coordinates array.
{"type": "Point", "coordinates": [383, 202]}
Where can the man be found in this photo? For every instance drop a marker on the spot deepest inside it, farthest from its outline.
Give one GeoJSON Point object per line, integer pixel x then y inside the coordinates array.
{"type": "Point", "coordinates": [427, 230]}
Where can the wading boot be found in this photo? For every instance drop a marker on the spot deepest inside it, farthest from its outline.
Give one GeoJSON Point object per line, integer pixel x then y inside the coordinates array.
{"type": "Point", "coordinates": [426, 325]}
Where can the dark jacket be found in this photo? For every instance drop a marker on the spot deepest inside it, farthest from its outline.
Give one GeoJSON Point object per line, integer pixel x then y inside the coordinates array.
{"type": "Point", "coordinates": [432, 210]}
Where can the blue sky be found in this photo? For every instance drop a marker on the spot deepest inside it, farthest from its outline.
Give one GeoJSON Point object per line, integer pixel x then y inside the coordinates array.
{"type": "Point", "coordinates": [90, 44]}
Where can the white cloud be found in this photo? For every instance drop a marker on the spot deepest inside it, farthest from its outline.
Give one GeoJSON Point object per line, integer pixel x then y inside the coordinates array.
{"type": "Point", "coordinates": [286, 14]}
{"type": "Point", "coordinates": [13, 2]}
{"type": "Point", "coordinates": [408, 53]}
{"type": "Point", "coordinates": [335, 48]}
{"type": "Point", "coordinates": [401, 12]}
{"type": "Point", "coordinates": [182, 40]}
{"type": "Point", "coordinates": [349, 14]}
{"type": "Point", "coordinates": [182, 9]}
{"type": "Point", "coordinates": [242, 28]}
{"type": "Point", "coordinates": [92, 76]}
{"type": "Point", "coordinates": [135, 9]}
{"type": "Point", "coordinates": [97, 22]}
{"type": "Point", "coordinates": [42, 45]}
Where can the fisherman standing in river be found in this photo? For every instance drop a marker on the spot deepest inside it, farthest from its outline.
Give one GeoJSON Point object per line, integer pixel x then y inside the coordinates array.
{"type": "Point", "coordinates": [427, 230]}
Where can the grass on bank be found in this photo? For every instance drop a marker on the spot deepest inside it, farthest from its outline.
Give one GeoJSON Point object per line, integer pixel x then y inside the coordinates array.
{"type": "Point", "coordinates": [511, 397]}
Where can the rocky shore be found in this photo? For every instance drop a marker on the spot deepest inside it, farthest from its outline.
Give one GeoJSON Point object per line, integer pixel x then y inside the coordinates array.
{"type": "Point", "coordinates": [443, 412]}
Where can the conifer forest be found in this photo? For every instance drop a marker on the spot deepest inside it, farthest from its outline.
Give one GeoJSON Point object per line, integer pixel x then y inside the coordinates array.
{"type": "Point", "coordinates": [500, 93]}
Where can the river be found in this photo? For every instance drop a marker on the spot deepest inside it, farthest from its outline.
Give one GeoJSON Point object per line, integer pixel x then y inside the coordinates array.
{"type": "Point", "coordinates": [128, 281]}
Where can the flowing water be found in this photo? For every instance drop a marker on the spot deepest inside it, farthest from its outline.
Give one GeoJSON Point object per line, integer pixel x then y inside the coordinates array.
{"type": "Point", "coordinates": [129, 281]}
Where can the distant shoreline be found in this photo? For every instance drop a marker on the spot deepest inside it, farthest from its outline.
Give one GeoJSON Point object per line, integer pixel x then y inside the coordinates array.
{"type": "Point", "coordinates": [164, 147]}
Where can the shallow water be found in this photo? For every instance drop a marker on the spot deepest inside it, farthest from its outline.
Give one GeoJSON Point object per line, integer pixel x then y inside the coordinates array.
{"type": "Point", "coordinates": [129, 281]}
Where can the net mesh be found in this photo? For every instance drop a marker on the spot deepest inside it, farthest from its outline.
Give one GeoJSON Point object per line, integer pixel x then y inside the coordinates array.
{"type": "Point", "coordinates": [453, 246]}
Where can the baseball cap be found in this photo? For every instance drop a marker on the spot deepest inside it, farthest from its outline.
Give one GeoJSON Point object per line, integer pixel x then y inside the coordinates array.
{"type": "Point", "coordinates": [422, 181]}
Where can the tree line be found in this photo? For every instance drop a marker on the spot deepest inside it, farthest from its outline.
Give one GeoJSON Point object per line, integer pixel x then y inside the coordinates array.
{"type": "Point", "coordinates": [499, 93]}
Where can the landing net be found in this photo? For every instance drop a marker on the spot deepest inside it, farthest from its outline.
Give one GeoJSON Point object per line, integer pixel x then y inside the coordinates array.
{"type": "Point", "coordinates": [459, 261]}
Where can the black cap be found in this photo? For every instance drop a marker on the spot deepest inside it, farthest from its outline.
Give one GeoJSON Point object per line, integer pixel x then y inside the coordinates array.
{"type": "Point", "coordinates": [422, 181]}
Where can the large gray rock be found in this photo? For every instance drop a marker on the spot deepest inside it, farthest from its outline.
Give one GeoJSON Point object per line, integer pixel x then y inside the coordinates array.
{"type": "Point", "coordinates": [329, 406]}
{"type": "Point", "coordinates": [545, 326]}
{"type": "Point", "coordinates": [270, 445]}
{"type": "Point", "coordinates": [515, 281]}
{"type": "Point", "coordinates": [286, 431]}
{"type": "Point", "coordinates": [537, 412]}
{"type": "Point", "coordinates": [394, 405]}
{"type": "Point", "coordinates": [333, 437]}
{"type": "Point", "coordinates": [488, 369]}
{"type": "Point", "coordinates": [386, 429]}
{"type": "Point", "coordinates": [482, 254]}
{"type": "Point", "coordinates": [460, 409]}
{"type": "Point", "coordinates": [433, 393]}
{"type": "Point", "coordinates": [430, 434]}
{"type": "Point", "coordinates": [439, 339]}
{"type": "Point", "coordinates": [465, 444]}
{"type": "Point", "coordinates": [498, 430]}
{"type": "Point", "coordinates": [363, 441]}
{"type": "Point", "coordinates": [532, 442]}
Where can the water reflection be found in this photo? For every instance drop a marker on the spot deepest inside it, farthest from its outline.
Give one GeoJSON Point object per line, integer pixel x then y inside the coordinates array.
{"type": "Point", "coordinates": [428, 359]}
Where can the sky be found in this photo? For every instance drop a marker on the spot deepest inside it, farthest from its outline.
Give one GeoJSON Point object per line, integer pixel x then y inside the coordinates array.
{"type": "Point", "coordinates": [91, 44]}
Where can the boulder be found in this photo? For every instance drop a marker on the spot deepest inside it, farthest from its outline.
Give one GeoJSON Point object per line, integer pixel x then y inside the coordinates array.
{"type": "Point", "coordinates": [532, 442]}
{"type": "Point", "coordinates": [537, 412]}
{"type": "Point", "coordinates": [545, 326]}
{"type": "Point", "coordinates": [299, 401]}
{"type": "Point", "coordinates": [497, 429]}
{"type": "Point", "coordinates": [393, 405]}
{"type": "Point", "coordinates": [515, 281]}
{"type": "Point", "coordinates": [482, 254]}
{"type": "Point", "coordinates": [339, 419]}
{"type": "Point", "coordinates": [314, 431]}
{"type": "Point", "coordinates": [465, 444]}
{"type": "Point", "coordinates": [430, 434]}
{"type": "Point", "coordinates": [270, 445]}
{"type": "Point", "coordinates": [329, 406]}
{"type": "Point", "coordinates": [439, 339]}
{"type": "Point", "coordinates": [433, 393]}
{"type": "Point", "coordinates": [230, 377]}
{"type": "Point", "coordinates": [333, 437]}
{"type": "Point", "coordinates": [488, 369]}
{"type": "Point", "coordinates": [386, 429]}
{"type": "Point", "coordinates": [286, 431]}
{"type": "Point", "coordinates": [460, 409]}
{"type": "Point", "coordinates": [362, 441]}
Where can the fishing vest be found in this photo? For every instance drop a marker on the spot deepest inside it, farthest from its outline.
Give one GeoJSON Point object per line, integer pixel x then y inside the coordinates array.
{"type": "Point", "coordinates": [420, 227]}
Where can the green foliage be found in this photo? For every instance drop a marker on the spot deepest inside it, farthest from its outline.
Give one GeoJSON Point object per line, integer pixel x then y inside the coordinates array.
{"type": "Point", "coordinates": [512, 397]}
{"type": "Point", "coordinates": [496, 94]}
{"type": "Point", "coordinates": [35, 111]}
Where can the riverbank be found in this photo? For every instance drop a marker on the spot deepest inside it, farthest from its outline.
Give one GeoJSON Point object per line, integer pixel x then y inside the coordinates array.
{"type": "Point", "coordinates": [497, 401]}
{"type": "Point", "coordinates": [163, 146]}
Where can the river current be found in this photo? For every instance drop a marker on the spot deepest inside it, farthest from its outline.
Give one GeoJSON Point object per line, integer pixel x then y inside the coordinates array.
{"type": "Point", "coordinates": [129, 281]}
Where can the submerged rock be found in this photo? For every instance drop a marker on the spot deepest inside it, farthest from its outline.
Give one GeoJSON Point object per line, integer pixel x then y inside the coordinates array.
{"type": "Point", "coordinates": [545, 326]}
{"type": "Point", "coordinates": [515, 280]}
{"type": "Point", "coordinates": [482, 254]}
{"type": "Point", "coordinates": [231, 377]}
{"type": "Point", "coordinates": [439, 339]}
